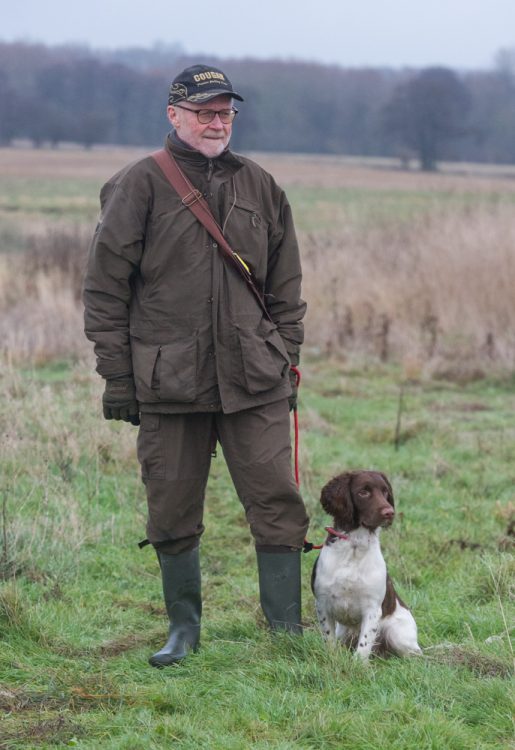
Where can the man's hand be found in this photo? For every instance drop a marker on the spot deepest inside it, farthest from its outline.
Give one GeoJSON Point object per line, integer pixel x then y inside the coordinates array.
{"type": "Point", "coordinates": [119, 400]}
{"type": "Point", "coordinates": [292, 400]}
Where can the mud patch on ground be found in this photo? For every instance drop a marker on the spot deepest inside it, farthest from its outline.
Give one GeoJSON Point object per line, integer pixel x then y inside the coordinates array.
{"type": "Point", "coordinates": [481, 665]}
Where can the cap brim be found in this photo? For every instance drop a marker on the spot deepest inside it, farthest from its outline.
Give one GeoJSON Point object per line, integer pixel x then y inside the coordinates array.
{"type": "Point", "coordinates": [208, 95]}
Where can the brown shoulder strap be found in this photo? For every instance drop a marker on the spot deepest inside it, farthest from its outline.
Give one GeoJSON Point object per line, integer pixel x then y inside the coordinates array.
{"type": "Point", "coordinates": [194, 200]}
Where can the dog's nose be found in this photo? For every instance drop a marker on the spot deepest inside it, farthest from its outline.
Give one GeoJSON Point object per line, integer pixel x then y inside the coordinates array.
{"type": "Point", "coordinates": [388, 513]}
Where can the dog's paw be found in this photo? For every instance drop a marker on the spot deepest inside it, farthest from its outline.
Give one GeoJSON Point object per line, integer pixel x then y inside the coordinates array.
{"type": "Point", "coordinates": [363, 657]}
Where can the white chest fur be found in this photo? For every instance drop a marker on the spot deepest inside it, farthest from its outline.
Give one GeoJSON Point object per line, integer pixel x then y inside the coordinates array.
{"type": "Point", "coordinates": [349, 586]}
{"type": "Point", "coordinates": [351, 577]}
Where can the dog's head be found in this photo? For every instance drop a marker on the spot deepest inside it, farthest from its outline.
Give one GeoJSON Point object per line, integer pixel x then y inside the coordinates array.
{"type": "Point", "coordinates": [359, 498]}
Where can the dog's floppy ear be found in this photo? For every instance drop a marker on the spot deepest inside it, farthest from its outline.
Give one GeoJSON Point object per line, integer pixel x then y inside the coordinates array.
{"type": "Point", "coordinates": [336, 499]}
{"type": "Point", "coordinates": [391, 499]}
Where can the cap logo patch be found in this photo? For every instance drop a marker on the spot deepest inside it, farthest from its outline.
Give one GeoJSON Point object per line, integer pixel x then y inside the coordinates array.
{"type": "Point", "coordinates": [208, 75]}
{"type": "Point", "coordinates": [178, 90]}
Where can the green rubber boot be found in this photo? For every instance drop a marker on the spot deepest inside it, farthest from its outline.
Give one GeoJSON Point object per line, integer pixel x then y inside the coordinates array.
{"type": "Point", "coordinates": [280, 589]}
{"type": "Point", "coordinates": [181, 589]}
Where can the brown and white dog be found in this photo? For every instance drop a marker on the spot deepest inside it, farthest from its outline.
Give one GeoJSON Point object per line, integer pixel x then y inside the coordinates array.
{"type": "Point", "coordinates": [356, 602]}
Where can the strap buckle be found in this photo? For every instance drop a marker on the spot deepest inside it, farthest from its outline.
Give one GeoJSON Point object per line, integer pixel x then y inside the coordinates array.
{"type": "Point", "coordinates": [192, 197]}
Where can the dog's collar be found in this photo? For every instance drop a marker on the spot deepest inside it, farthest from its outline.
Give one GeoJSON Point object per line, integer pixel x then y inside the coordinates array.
{"type": "Point", "coordinates": [333, 532]}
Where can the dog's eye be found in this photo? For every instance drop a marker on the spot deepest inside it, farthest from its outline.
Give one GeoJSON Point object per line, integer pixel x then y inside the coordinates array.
{"type": "Point", "coordinates": [364, 492]}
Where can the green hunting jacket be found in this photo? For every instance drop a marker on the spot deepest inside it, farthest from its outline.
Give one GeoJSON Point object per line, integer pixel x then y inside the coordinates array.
{"type": "Point", "coordinates": [162, 304]}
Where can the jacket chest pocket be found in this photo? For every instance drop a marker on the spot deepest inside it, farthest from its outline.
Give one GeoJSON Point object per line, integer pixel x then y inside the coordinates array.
{"type": "Point", "coordinates": [166, 372]}
{"type": "Point", "coordinates": [264, 359]}
{"type": "Point", "coordinates": [247, 233]}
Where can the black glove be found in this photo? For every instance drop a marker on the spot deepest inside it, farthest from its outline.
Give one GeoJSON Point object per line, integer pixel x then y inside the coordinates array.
{"type": "Point", "coordinates": [119, 400]}
{"type": "Point", "coordinates": [292, 400]}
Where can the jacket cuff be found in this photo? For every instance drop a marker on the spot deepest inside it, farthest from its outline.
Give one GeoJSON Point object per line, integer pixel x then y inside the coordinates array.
{"type": "Point", "coordinates": [294, 357]}
{"type": "Point", "coordinates": [118, 368]}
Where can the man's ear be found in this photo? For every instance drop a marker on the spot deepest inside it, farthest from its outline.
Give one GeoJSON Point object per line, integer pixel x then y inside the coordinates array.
{"type": "Point", "coordinates": [171, 113]}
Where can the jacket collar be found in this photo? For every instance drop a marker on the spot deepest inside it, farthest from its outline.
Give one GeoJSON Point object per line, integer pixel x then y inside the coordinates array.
{"type": "Point", "coordinates": [190, 156]}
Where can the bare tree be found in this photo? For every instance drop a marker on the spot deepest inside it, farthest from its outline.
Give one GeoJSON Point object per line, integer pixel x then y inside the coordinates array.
{"type": "Point", "coordinates": [426, 112]}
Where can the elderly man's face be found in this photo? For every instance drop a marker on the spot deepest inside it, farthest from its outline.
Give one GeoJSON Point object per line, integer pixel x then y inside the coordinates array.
{"type": "Point", "coordinates": [210, 139]}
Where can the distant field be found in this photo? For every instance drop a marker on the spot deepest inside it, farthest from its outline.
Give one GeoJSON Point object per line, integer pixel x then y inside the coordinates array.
{"type": "Point", "coordinates": [62, 185]}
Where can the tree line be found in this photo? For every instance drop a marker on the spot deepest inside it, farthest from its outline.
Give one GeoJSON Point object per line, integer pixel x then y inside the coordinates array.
{"type": "Point", "coordinates": [72, 94]}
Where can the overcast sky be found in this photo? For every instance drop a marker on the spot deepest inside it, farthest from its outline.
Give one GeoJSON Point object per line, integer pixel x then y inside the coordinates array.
{"type": "Point", "coordinates": [459, 33]}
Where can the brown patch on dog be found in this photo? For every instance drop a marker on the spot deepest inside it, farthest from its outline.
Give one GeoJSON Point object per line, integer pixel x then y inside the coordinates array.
{"type": "Point", "coordinates": [388, 605]}
{"type": "Point", "coordinates": [390, 599]}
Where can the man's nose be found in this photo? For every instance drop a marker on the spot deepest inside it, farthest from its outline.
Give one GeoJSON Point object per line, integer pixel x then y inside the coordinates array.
{"type": "Point", "coordinates": [216, 122]}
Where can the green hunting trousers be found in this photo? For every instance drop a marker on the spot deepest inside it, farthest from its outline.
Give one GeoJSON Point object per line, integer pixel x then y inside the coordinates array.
{"type": "Point", "coordinates": [175, 450]}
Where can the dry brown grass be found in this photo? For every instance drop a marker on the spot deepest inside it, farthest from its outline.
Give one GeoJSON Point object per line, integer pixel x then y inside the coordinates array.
{"type": "Point", "coordinates": [66, 163]}
{"type": "Point", "coordinates": [384, 174]}
{"type": "Point", "coordinates": [436, 294]}
{"type": "Point", "coordinates": [40, 308]}
{"type": "Point", "coordinates": [432, 289]}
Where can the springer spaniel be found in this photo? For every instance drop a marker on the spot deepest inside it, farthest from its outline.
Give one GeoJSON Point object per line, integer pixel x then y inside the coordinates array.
{"type": "Point", "coordinates": [356, 602]}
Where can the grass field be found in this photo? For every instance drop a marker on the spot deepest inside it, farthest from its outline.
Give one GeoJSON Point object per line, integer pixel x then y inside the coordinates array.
{"type": "Point", "coordinates": [80, 604]}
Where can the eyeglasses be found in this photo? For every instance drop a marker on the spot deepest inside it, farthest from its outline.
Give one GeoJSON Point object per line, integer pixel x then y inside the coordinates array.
{"type": "Point", "coordinates": [205, 116]}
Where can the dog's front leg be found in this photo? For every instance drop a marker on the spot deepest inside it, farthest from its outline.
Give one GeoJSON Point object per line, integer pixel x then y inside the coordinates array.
{"type": "Point", "coordinates": [326, 621]}
{"type": "Point", "coordinates": [368, 633]}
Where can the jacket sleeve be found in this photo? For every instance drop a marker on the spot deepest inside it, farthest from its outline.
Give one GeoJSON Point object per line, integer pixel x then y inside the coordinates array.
{"type": "Point", "coordinates": [284, 276]}
{"type": "Point", "coordinates": [114, 258]}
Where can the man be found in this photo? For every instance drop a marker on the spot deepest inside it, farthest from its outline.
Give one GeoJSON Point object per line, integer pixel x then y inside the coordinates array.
{"type": "Point", "coordinates": [188, 353]}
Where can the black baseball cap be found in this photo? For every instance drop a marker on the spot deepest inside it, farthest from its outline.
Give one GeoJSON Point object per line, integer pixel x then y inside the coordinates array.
{"type": "Point", "coordinates": [199, 84]}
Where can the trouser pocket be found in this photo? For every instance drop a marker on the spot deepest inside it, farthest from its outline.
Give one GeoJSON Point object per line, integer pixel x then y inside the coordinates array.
{"type": "Point", "coordinates": [150, 447]}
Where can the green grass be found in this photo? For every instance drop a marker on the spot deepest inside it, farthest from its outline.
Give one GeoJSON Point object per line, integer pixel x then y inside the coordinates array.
{"type": "Point", "coordinates": [81, 609]}
{"type": "Point", "coordinates": [323, 208]}
{"type": "Point", "coordinates": [73, 199]}
{"type": "Point", "coordinates": [34, 207]}
{"type": "Point", "coordinates": [30, 199]}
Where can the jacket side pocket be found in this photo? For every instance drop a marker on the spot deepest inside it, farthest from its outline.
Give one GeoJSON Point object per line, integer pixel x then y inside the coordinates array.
{"type": "Point", "coordinates": [264, 357]}
{"type": "Point", "coordinates": [176, 371]}
{"type": "Point", "coordinates": [144, 360]}
{"type": "Point", "coordinates": [165, 372]}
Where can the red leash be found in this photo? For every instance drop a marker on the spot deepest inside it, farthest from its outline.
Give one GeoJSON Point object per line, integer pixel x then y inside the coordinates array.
{"type": "Point", "coordinates": [308, 546]}
{"type": "Point", "coordinates": [298, 378]}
